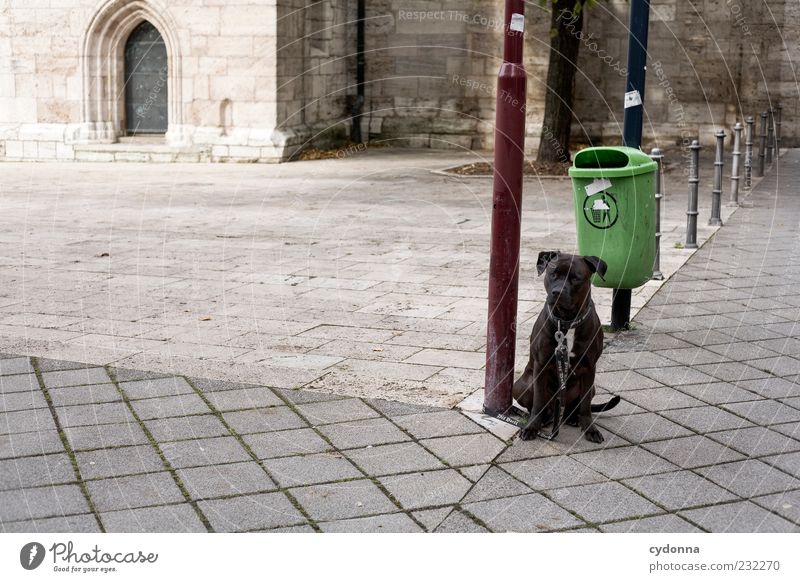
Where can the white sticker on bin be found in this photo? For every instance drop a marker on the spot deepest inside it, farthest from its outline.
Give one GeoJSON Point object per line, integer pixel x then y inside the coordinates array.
{"type": "Point", "coordinates": [517, 22]}
{"type": "Point", "coordinates": [598, 185]}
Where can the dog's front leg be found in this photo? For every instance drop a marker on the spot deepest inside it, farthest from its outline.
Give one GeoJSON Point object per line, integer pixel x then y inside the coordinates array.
{"type": "Point", "coordinates": [589, 430]}
{"type": "Point", "coordinates": [540, 403]}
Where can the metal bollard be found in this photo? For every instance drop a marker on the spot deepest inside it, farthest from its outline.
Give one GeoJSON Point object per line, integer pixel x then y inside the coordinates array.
{"type": "Point", "coordinates": [778, 123]}
{"type": "Point", "coordinates": [694, 182]}
{"type": "Point", "coordinates": [737, 144]}
{"type": "Point", "coordinates": [770, 136]}
{"type": "Point", "coordinates": [658, 157]}
{"type": "Point", "coordinates": [716, 193]}
{"type": "Point", "coordinates": [748, 153]}
{"type": "Point", "coordinates": [762, 143]}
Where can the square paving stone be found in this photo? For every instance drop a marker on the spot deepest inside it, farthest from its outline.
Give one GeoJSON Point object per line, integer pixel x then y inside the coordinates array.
{"type": "Point", "coordinates": [134, 491]}
{"type": "Point", "coordinates": [180, 428]}
{"type": "Point", "coordinates": [245, 398]}
{"type": "Point", "coordinates": [677, 375]}
{"type": "Point", "coordinates": [429, 489]}
{"type": "Point", "coordinates": [749, 478]}
{"type": "Point", "coordinates": [169, 406]}
{"type": "Point", "coordinates": [458, 522]}
{"type": "Point", "coordinates": [42, 502]}
{"type": "Point", "coordinates": [88, 394]}
{"type": "Point", "coordinates": [623, 462]}
{"type": "Point", "coordinates": [602, 502]}
{"type": "Point", "coordinates": [704, 419]}
{"type": "Point", "coordinates": [202, 452]}
{"type": "Point", "coordinates": [718, 392]}
{"type": "Point", "coordinates": [465, 450]}
{"type": "Point", "coordinates": [210, 385]}
{"type": "Point", "coordinates": [75, 377]}
{"type": "Point", "coordinates": [105, 436]}
{"type": "Point", "coordinates": [263, 420]}
{"type": "Point", "coordinates": [732, 371]}
{"type": "Point", "coordinates": [757, 441]}
{"type": "Point", "coordinates": [19, 383]}
{"type": "Point", "coordinates": [251, 512]}
{"type": "Point", "coordinates": [740, 351]}
{"type": "Point", "coordinates": [286, 443]}
{"type": "Point", "coordinates": [343, 500]}
{"type": "Point", "coordinates": [431, 518]}
{"type": "Point", "coordinates": [742, 517]}
{"type": "Point", "coordinates": [624, 380]}
{"type": "Point", "coordinates": [765, 412]}
{"type": "Point", "coordinates": [104, 463]}
{"type": "Point", "coordinates": [394, 458]}
{"type": "Point", "coordinates": [156, 387]}
{"type": "Point", "coordinates": [94, 414]}
{"type": "Point", "coordinates": [85, 523]}
{"type": "Point", "coordinates": [693, 451]}
{"type": "Point", "coordinates": [311, 469]}
{"type": "Point", "coordinates": [50, 365]}
{"type": "Point", "coordinates": [786, 504]}
{"type": "Point", "coordinates": [791, 429]}
{"type": "Point", "coordinates": [36, 471]}
{"type": "Point", "coordinates": [552, 472]}
{"type": "Point", "coordinates": [770, 387]}
{"type": "Point", "coordinates": [225, 480]}
{"type": "Point", "coordinates": [658, 524]}
{"type": "Point", "coordinates": [438, 424]}
{"type": "Point", "coordinates": [691, 357]}
{"type": "Point", "coordinates": [704, 337]}
{"type": "Point", "coordinates": [128, 375]}
{"type": "Point", "coordinates": [336, 411]}
{"type": "Point", "coordinates": [164, 519]}
{"type": "Point", "coordinates": [396, 410]}
{"type": "Point", "coordinates": [360, 433]}
{"type": "Point", "coordinates": [474, 472]}
{"type": "Point", "coordinates": [15, 366]}
{"type": "Point", "coordinates": [640, 428]}
{"type": "Point", "coordinates": [389, 523]}
{"type": "Point", "coordinates": [525, 513]}
{"type": "Point", "coordinates": [305, 396]}
{"type": "Point", "coordinates": [30, 443]}
{"type": "Point", "coordinates": [777, 366]}
{"type": "Point", "coordinates": [679, 490]}
{"type": "Point", "coordinates": [494, 484]}
{"type": "Point", "coordinates": [657, 399]}
{"type": "Point", "coordinates": [22, 401]}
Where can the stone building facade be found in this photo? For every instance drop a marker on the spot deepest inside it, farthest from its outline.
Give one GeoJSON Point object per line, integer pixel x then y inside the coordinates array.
{"type": "Point", "coordinates": [257, 80]}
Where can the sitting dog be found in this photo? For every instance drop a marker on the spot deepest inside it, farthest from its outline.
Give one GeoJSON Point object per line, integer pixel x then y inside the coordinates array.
{"type": "Point", "coordinates": [568, 306]}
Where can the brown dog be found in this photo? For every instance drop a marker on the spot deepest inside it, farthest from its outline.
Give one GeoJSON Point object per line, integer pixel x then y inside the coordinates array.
{"type": "Point", "coordinates": [568, 306]}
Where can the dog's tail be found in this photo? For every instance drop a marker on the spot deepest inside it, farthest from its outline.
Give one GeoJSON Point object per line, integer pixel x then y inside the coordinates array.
{"type": "Point", "coordinates": [606, 406]}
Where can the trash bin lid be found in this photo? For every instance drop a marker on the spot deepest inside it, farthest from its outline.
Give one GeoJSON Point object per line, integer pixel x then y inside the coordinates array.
{"type": "Point", "coordinates": [611, 162]}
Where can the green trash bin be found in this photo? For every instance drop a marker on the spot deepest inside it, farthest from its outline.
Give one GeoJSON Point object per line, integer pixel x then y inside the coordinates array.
{"type": "Point", "coordinates": [615, 212]}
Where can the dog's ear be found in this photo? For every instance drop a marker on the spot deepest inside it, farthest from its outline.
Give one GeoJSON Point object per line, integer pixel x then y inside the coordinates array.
{"type": "Point", "coordinates": [597, 265]}
{"type": "Point", "coordinates": [544, 258]}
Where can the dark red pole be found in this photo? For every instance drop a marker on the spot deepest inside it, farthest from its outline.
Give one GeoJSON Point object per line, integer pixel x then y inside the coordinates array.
{"type": "Point", "coordinates": [509, 145]}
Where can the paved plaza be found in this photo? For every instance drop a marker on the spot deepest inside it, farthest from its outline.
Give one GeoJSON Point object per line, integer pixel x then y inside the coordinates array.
{"type": "Point", "coordinates": [283, 353]}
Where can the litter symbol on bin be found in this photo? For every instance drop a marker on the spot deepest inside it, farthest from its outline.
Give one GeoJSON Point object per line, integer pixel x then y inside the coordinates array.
{"type": "Point", "coordinates": [601, 210]}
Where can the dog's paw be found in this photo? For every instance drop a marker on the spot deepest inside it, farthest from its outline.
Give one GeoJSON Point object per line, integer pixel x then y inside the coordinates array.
{"type": "Point", "coordinates": [592, 434]}
{"type": "Point", "coordinates": [528, 434]}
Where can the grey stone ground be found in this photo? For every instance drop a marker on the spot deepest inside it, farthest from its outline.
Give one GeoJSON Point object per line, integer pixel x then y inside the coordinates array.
{"type": "Point", "coordinates": [707, 437]}
{"type": "Point", "coordinates": [365, 276]}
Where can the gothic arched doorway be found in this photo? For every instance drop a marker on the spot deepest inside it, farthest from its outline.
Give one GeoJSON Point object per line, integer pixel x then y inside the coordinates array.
{"type": "Point", "coordinates": [146, 74]}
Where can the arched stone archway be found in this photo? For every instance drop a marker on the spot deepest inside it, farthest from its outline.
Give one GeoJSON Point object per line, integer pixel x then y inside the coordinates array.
{"type": "Point", "coordinates": [103, 67]}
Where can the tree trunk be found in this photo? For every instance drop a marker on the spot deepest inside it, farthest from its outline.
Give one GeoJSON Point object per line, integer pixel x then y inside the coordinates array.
{"type": "Point", "coordinates": [566, 30]}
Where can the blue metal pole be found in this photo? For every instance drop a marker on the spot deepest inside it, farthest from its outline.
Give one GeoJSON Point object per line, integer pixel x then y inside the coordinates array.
{"type": "Point", "coordinates": [634, 120]}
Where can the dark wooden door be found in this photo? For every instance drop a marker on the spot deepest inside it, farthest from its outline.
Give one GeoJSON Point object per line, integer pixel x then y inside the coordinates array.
{"type": "Point", "coordinates": [145, 81]}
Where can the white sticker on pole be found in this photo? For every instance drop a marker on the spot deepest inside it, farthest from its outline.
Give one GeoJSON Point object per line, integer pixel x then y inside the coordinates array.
{"type": "Point", "coordinates": [517, 22]}
{"type": "Point", "coordinates": [599, 185]}
{"type": "Point", "coordinates": [632, 99]}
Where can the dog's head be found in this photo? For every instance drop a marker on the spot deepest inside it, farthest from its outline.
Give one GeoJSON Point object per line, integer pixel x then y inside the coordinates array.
{"type": "Point", "coordinates": [567, 280]}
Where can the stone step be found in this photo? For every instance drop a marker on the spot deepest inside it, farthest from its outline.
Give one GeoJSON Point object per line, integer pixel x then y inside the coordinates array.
{"type": "Point", "coordinates": [139, 151]}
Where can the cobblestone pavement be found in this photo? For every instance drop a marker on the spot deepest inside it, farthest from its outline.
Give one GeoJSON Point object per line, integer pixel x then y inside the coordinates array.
{"type": "Point", "coordinates": [365, 276]}
{"type": "Point", "coordinates": [707, 437]}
